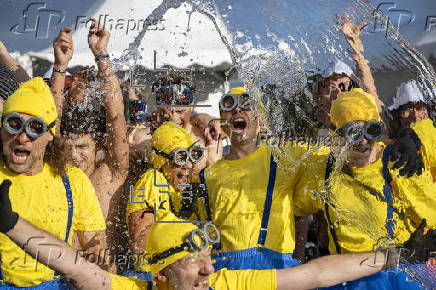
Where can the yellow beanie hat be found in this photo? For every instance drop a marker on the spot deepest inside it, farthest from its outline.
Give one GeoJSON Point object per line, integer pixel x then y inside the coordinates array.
{"type": "Point", "coordinates": [238, 91]}
{"type": "Point", "coordinates": [33, 98]}
{"type": "Point", "coordinates": [168, 137]}
{"type": "Point", "coordinates": [355, 105]}
{"type": "Point", "coordinates": [163, 236]}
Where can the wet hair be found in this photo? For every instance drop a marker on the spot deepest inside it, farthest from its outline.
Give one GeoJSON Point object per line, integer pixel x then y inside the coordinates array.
{"type": "Point", "coordinates": [8, 84]}
{"type": "Point", "coordinates": [83, 121]}
{"type": "Point", "coordinates": [56, 155]}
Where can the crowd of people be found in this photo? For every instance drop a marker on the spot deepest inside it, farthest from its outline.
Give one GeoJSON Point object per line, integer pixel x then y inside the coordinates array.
{"type": "Point", "coordinates": [99, 192]}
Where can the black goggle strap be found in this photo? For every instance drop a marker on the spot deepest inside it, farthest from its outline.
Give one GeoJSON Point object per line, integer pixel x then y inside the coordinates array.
{"type": "Point", "coordinates": [190, 244]}
{"type": "Point", "coordinates": [161, 153]}
{"type": "Point", "coordinates": [171, 251]}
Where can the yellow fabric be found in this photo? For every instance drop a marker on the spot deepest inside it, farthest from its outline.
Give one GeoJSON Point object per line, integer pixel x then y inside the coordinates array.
{"type": "Point", "coordinates": [427, 133]}
{"type": "Point", "coordinates": [243, 280]}
{"type": "Point", "coordinates": [41, 200]}
{"type": "Point", "coordinates": [237, 91]}
{"type": "Point", "coordinates": [221, 280]}
{"type": "Point", "coordinates": [355, 105]}
{"type": "Point", "coordinates": [150, 191]}
{"type": "Point", "coordinates": [358, 217]}
{"type": "Point", "coordinates": [33, 98]}
{"type": "Point", "coordinates": [127, 283]}
{"type": "Point", "coordinates": [174, 234]}
{"type": "Point", "coordinates": [237, 191]}
{"type": "Point", "coordinates": [168, 137]}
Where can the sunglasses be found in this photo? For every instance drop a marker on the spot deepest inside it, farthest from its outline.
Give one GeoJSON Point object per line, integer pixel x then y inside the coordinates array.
{"type": "Point", "coordinates": [178, 94]}
{"type": "Point", "coordinates": [229, 102]}
{"type": "Point", "coordinates": [34, 127]}
{"type": "Point", "coordinates": [197, 240]}
{"type": "Point", "coordinates": [355, 132]}
{"type": "Point", "coordinates": [181, 156]}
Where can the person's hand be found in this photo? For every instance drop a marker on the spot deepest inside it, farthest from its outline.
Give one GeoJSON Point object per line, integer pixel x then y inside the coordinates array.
{"type": "Point", "coordinates": [406, 151]}
{"type": "Point", "coordinates": [8, 218]}
{"type": "Point", "coordinates": [98, 38]}
{"type": "Point", "coordinates": [63, 48]}
{"type": "Point", "coordinates": [214, 129]}
{"type": "Point", "coordinates": [420, 246]}
{"type": "Point", "coordinates": [351, 32]}
{"type": "Point", "coordinates": [214, 147]}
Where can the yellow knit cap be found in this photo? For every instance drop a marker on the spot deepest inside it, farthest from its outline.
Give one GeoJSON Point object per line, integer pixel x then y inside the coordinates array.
{"type": "Point", "coordinates": [238, 91]}
{"type": "Point", "coordinates": [166, 138]}
{"type": "Point", "coordinates": [163, 236]}
{"type": "Point", "coordinates": [33, 98]}
{"type": "Point", "coordinates": [355, 105]}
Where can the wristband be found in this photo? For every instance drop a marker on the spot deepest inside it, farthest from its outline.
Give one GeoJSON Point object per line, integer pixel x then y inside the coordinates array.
{"type": "Point", "coordinates": [59, 71]}
{"type": "Point", "coordinates": [101, 57]}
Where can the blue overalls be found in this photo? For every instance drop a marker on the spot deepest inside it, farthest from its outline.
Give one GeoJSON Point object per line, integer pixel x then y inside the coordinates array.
{"type": "Point", "coordinates": [258, 258]}
{"type": "Point", "coordinates": [396, 278]}
{"type": "Point", "coordinates": [57, 283]}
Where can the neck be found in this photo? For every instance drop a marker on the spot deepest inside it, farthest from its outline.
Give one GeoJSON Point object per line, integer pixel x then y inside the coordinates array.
{"type": "Point", "coordinates": [90, 170]}
{"type": "Point", "coordinates": [238, 151]}
{"type": "Point", "coordinates": [373, 157]}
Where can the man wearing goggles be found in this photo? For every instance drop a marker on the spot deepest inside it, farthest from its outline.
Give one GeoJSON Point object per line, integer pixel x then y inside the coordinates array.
{"type": "Point", "coordinates": [367, 192]}
{"type": "Point", "coordinates": [58, 198]}
{"type": "Point", "coordinates": [165, 190]}
{"type": "Point", "coordinates": [181, 260]}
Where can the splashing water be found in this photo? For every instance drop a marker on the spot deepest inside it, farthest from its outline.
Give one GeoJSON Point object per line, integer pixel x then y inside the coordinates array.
{"type": "Point", "coordinates": [275, 45]}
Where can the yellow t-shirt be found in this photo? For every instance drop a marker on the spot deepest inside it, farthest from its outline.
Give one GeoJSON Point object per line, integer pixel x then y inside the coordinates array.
{"type": "Point", "coordinates": [153, 190]}
{"type": "Point", "coordinates": [41, 200]}
{"type": "Point", "coordinates": [427, 133]}
{"type": "Point", "coordinates": [237, 192]}
{"type": "Point", "coordinates": [359, 217]}
{"type": "Point", "coordinates": [221, 280]}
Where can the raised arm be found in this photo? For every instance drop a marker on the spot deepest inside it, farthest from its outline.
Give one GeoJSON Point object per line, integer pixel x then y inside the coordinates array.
{"type": "Point", "coordinates": [352, 32]}
{"type": "Point", "coordinates": [117, 146]}
{"type": "Point", "coordinates": [63, 52]}
{"type": "Point", "coordinates": [7, 60]}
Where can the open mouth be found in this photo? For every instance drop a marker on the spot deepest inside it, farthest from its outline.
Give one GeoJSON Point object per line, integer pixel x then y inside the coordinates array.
{"type": "Point", "coordinates": [20, 155]}
{"type": "Point", "coordinates": [239, 124]}
{"type": "Point", "coordinates": [183, 178]}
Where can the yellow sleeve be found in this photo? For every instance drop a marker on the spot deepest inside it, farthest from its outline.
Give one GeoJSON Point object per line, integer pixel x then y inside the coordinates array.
{"type": "Point", "coordinates": [426, 131]}
{"type": "Point", "coordinates": [243, 279]}
{"type": "Point", "coordinates": [145, 194]}
{"type": "Point", "coordinates": [87, 211]}
{"type": "Point", "coordinates": [127, 283]}
{"type": "Point", "coordinates": [311, 181]}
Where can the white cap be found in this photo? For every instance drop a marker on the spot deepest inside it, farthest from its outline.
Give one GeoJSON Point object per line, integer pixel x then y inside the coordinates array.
{"type": "Point", "coordinates": [48, 73]}
{"type": "Point", "coordinates": [406, 93]}
{"type": "Point", "coordinates": [337, 67]}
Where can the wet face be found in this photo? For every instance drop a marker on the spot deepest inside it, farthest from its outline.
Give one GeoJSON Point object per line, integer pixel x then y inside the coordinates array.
{"type": "Point", "coordinates": [83, 151]}
{"type": "Point", "coordinates": [179, 115]}
{"type": "Point", "coordinates": [364, 152]}
{"type": "Point", "coordinates": [178, 175]}
{"type": "Point", "coordinates": [192, 272]}
{"type": "Point", "coordinates": [328, 91]}
{"type": "Point", "coordinates": [23, 154]}
{"type": "Point", "coordinates": [241, 126]}
{"type": "Point", "coordinates": [412, 112]}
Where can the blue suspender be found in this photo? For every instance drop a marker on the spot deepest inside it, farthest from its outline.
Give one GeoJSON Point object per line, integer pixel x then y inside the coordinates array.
{"type": "Point", "coordinates": [387, 192]}
{"type": "Point", "coordinates": [69, 195]}
{"type": "Point", "coordinates": [268, 201]}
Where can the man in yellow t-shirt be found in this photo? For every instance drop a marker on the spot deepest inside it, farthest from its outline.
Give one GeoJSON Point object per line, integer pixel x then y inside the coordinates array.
{"type": "Point", "coordinates": [57, 198]}
{"type": "Point", "coordinates": [250, 195]}
{"type": "Point", "coordinates": [164, 190]}
{"type": "Point", "coordinates": [367, 203]}
{"type": "Point", "coordinates": [181, 260]}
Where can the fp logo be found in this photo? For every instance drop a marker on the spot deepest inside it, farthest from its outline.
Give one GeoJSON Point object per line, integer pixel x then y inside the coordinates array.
{"type": "Point", "coordinates": [387, 13]}
{"type": "Point", "coordinates": [38, 20]}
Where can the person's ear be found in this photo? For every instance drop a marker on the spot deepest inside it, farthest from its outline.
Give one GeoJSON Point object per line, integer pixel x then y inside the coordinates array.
{"type": "Point", "coordinates": [161, 277]}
